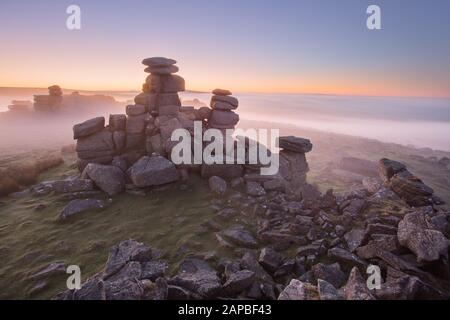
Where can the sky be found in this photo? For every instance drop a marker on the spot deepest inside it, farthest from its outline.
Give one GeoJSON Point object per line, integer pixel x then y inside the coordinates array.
{"type": "Point", "coordinates": [292, 46]}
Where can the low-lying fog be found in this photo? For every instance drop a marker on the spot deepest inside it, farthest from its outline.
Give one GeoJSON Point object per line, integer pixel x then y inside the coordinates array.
{"type": "Point", "coordinates": [421, 122]}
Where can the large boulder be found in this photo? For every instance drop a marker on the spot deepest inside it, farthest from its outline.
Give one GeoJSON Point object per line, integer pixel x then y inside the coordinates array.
{"type": "Point", "coordinates": [88, 127]}
{"type": "Point", "coordinates": [97, 145]}
{"type": "Point", "coordinates": [225, 119]}
{"type": "Point", "coordinates": [165, 83]}
{"type": "Point", "coordinates": [153, 171]}
{"type": "Point", "coordinates": [109, 179]}
{"type": "Point", "coordinates": [418, 234]}
{"type": "Point", "coordinates": [411, 189]}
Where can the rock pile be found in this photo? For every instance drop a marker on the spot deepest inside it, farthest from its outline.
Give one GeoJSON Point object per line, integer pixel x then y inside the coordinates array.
{"type": "Point", "coordinates": [50, 102]}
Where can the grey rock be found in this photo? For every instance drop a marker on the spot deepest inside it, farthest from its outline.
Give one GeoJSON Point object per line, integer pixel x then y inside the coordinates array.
{"type": "Point", "coordinates": [120, 140]}
{"type": "Point", "coordinates": [168, 99]}
{"type": "Point", "coordinates": [162, 70]}
{"type": "Point", "coordinates": [345, 257]}
{"type": "Point", "coordinates": [117, 122]}
{"type": "Point", "coordinates": [135, 109]}
{"type": "Point", "coordinates": [327, 291]}
{"type": "Point", "coordinates": [109, 179]}
{"type": "Point", "coordinates": [387, 168]}
{"type": "Point", "coordinates": [81, 205]}
{"type": "Point", "coordinates": [137, 124]}
{"type": "Point", "coordinates": [217, 185]}
{"type": "Point", "coordinates": [225, 119]}
{"type": "Point", "coordinates": [331, 273]}
{"type": "Point", "coordinates": [297, 290]}
{"type": "Point", "coordinates": [225, 99]}
{"type": "Point", "coordinates": [165, 83]}
{"type": "Point", "coordinates": [295, 144]}
{"type": "Point", "coordinates": [239, 281]}
{"type": "Point", "coordinates": [255, 189]}
{"type": "Point", "coordinates": [418, 234]}
{"type": "Point", "coordinates": [354, 238]}
{"type": "Point", "coordinates": [73, 185]}
{"type": "Point", "coordinates": [221, 92]}
{"type": "Point", "coordinates": [153, 171]}
{"type": "Point", "coordinates": [53, 269]}
{"type": "Point", "coordinates": [158, 62]}
{"type": "Point", "coordinates": [124, 252]}
{"type": "Point", "coordinates": [96, 145]}
{"type": "Point", "coordinates": [88, 127]}
{"type": "Point", "coordinates": [240, 236]}
{"type": "Point", "coordinates": [197, 276]}
{"type": "Point", "coordinates": [153, 269]}
{"type": "Point", "coordinates": [168, 110]}
{"type": "Point", "coordinates": [356, 287]}
{"type": "Point", "coordinates": [270, 259]}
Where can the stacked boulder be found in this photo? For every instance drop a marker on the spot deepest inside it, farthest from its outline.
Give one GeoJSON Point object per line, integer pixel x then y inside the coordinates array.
{"type": "Point", "coordinates": [139, 142]}
{"type": "Point", "coordinates": [406, 185]}
{"type": "Point", "coordinates": [222, 115]}
{"type": "Point", "coordinates": [50, 102]}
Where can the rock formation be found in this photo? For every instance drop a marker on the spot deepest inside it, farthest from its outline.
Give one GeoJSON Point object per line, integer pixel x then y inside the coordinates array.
{"type": "Point", "coordinates": [405, 184]}
{"type": "Point", "coordinates": [50, 102]}
{"type": "Point", "coordinates": [140, 140]}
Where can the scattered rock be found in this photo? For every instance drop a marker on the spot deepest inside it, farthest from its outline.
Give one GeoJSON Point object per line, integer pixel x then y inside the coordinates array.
{"type": "Point", "coordinates": [297, 290]}
{"type": "Point", "coordinates": [239, 281]}
{"type": "Point", "coordinates": [217, 185]}
{"type": "Point", "coordinates": [78, 206]}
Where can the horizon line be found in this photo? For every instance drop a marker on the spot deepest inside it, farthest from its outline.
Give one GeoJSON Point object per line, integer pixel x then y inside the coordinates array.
{"type": "Point", "coordinates": [250, 92]}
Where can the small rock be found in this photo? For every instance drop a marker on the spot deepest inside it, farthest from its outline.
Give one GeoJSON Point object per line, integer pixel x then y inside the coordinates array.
{"type": "Point", "coordinates": [217, 185]}
{"type": "Point", "coordinates": [81, 205]}
{"type": "Point", "coordinates": [239, 281]}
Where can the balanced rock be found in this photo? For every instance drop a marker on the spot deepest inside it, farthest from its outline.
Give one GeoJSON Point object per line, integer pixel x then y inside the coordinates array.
{"type": "Point", "coordinates": [221, 92]}
{"type": "Point", "coordinates": [295, 144]}
{"type": "Point", "coordinates": [153, 171]}
{"type": "Point", "coordinates": [158, 62]}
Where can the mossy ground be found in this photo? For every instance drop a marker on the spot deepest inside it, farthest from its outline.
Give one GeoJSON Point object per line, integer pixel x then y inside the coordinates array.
{"type": "Point", "coordinates": [167, 218]}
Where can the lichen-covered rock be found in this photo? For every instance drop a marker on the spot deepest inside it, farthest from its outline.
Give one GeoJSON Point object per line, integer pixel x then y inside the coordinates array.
{"type": "Point", "coordinates": [298, 290]}
{"type": "Point", "coordinates": [418, 234]}
{"type": "Point", "coordinates": [356, 287]}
